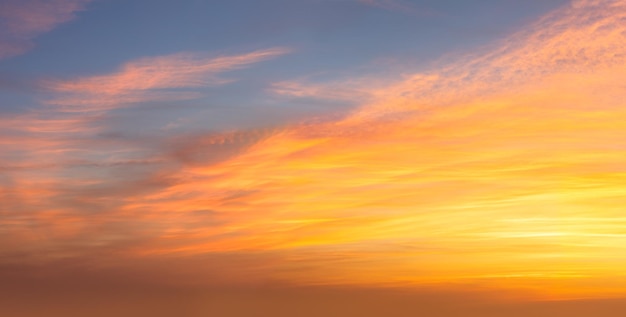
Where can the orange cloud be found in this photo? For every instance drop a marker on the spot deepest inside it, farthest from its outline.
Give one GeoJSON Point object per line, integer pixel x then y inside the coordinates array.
{"type": "Point", "coordinates": [57, 168]}
{"type": "Point", "coordinates": [500, 170]}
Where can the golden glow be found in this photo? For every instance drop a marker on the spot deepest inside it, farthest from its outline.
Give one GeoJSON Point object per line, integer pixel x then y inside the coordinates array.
{"type": "Point", "coordinates": [523, 190]}
{"type": "Point", "coordinates": [507, 170]}
{"type": "Point", "coordinates": [522, 187]}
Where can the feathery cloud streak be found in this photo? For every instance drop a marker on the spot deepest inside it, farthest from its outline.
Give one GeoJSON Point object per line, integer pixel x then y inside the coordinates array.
{"type": "Point", "coordinates": [59, 170]}
{"type": "Point", "coordinates": [472, 173]}
{"type": "Point", "coordinates": [23, 20]}
{"type": "Point", "coordinates": [153, 79]}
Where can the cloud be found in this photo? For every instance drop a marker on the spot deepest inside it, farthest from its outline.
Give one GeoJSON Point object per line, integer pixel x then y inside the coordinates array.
{"type": "Point", "coordinates": [59, 167]}
{"type": "Point", "coordinates": [324, 91]}
{"type": "Point", "coordinates": [439, 176]}
{"type": "Point", "coordinates": [23, 20]}
{"type": "Point", "coordinates": [502, 169]}
{"type": "Point", "coordinates": [572, 40]}
{"type": "Point", "coordinates": [162, 78]}
{"type": "Point", "coordinates": [591, 3]}
{"type": "Point", "coordinates": [206, 148]}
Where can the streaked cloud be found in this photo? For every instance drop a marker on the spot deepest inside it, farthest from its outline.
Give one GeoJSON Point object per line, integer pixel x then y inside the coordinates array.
{"type": "Point", "coordinates": [326, 91]}
{"type": "Point", "coordinates": [24, 20]}
{"type": "Point", "coordinates": [438, 177]}
{"type": "Point", "coordinates": [502, 169]}
{"type": "Point", "coordinates": [585, 35]}
{"type": "Point", "coordinates": [162, 78]}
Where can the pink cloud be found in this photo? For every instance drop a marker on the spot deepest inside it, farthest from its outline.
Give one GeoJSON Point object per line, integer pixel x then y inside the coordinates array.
{"type": "Point", "coordinates": [23, 20]}
{"type": "Point", "coordinates": [587, 34]}
{"type": "Point", "coordinates": [153, 78]}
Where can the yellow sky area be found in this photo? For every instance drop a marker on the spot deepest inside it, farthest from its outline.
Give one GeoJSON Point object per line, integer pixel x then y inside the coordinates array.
{"type": "Point", "coordinates": [504, 171]}
{"type": "Point", "coordinates": [524, 189]}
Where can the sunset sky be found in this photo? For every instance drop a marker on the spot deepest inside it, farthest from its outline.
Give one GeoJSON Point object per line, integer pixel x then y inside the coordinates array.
{"type": "Point", "coordinates": [312, 157]}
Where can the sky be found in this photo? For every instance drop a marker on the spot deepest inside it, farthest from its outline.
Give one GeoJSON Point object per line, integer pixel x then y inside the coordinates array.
{"type": "Point", "coordinates": [312, 157]}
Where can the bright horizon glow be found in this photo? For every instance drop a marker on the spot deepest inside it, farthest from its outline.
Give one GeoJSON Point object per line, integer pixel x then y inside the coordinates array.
{"type": "Point", "coordinates": [503, 168]}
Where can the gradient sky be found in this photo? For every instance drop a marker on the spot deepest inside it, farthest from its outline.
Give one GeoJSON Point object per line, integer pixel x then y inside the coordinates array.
{"type": "Point", "coordinates": [281, 157]}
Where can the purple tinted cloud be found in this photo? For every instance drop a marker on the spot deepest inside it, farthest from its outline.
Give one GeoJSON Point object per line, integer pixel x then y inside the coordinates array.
{"type": "Point", "coordinates": [23, 20]}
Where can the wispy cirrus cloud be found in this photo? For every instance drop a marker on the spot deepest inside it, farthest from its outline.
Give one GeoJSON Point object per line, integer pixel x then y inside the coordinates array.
{"type": "Point", "coordinates": [526, 139]}
{"type": "Point", "coordinates": [171, 77]}
{"type": "Point", "coordinates": [57, 162]}
{"type": "Point", "coordinates": [23, 20]}
{"type": "Point", "coordinates": [341, 91]}
{"type": "Point", "coordinates": [471, 173]}
{"type": "Point", "coordinates": [580, 36]}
